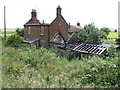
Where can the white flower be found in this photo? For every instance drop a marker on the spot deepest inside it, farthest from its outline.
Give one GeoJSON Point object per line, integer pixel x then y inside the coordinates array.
{"type": "Point", "coordinates": [28, 86]}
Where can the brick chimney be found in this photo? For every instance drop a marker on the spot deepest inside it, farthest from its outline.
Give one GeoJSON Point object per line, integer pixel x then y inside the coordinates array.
{"type": "Point", "coordinates": [58, 11]}
{"type": "Point", "coordinates": [69, 25]}
{"type": "Point", "coordinates": [78, 24]}
{"type": "Point", "coordinates": [34, 16]}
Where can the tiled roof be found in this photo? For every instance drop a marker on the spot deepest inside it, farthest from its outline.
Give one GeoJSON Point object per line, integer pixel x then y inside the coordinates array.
{"type": "Point", "coordinates": [74, 28]}
{"type": "Point", "coordinates": [30, 22]}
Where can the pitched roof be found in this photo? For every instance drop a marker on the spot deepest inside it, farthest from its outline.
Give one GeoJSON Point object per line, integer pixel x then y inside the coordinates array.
{"type": "Point", "coordinates": [30, 22]}
{"type": "Point", "coordinates": [73, 38]}
{"type": "Point", "coordinates": [58, 18]}
{"type": "Point", "coordinates": [74, 28]}
{"type": "Point", "coordinates": [58, 39]}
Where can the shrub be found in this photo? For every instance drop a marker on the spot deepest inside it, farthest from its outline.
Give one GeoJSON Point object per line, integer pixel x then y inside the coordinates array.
{"type": "Point", "coordinates": [115, 30]}
{"type": "Point", "coordinates": [118, 41]}
{"type": "Point", "coordinates": [14, 41]}
{"type": "Point", "coordinates": [106, 30]}
{"type": "Point", "coordinates": [20, 32]}
{"type": "Point", "coordinates": [103, 75]}
{"type": "Point", "coordinates": [111, 53]}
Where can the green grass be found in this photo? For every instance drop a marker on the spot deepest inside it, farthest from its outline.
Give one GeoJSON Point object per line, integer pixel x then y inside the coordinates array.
{"type": "Point", "coordinates": [43, 68]}
{"type": "Point", "coordinates": [111, 38]}
{"type": "Point", "coordinates": [109, 41]}
{"type": "Point", "coordinates": [8, 33]}
{"type": "Point", "coordinates": [113, 35]}
{"type": "Point", "coordinates": [28, 67]}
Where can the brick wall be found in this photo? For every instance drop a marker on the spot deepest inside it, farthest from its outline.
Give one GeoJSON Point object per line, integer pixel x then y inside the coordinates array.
{"type": "Point", "coordinates": [59, 25]}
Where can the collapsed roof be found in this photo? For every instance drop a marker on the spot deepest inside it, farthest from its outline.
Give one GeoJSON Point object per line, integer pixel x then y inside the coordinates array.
{"type": "Point", "coordinates": [86, 48]}
{"type": "Point", "coordinates": [78, 47]}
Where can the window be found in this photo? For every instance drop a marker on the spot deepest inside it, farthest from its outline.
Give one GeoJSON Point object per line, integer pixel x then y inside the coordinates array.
{"type": "Point", "coordinates": [29, 30]}
{"type": "Point", "coordinates": [42, 31]}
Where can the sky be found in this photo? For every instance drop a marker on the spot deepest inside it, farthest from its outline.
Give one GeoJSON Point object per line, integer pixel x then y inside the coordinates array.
{"type": "Point", "coordinates": [104, 13]}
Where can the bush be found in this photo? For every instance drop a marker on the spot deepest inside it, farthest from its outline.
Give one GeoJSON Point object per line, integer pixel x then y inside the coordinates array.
{"type": "Point", "coordinates": [118, 41]}
{"type": "Point", "coordinates": [111, 53]}
{"type": "Point", "coordinates": [43, 68]}
{"type": "Point", "coordinates": [14, 41]}
{"type": "Point", "coordinates": [115, 30]}
{"type": "Point", "coordinates": [106, 30]}
{"type": "Point", "coordinates": [20, 32]}
{"type": "Point", "coordinates": [103, 75]}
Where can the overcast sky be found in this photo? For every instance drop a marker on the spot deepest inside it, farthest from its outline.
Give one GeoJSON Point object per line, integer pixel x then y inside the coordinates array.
{"type": "Point", "coordinates": [104, 13]}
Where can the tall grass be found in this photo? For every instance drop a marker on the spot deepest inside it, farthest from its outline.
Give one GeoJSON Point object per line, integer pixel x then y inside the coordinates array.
{"type": "Point", "coordinates": [42, 68]}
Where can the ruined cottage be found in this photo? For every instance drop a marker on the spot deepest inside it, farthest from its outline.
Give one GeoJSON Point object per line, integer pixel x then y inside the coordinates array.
{"type": "Point", "coordinates": [56, 34]}
{"type": "Point", "coordinates": [43, 34]}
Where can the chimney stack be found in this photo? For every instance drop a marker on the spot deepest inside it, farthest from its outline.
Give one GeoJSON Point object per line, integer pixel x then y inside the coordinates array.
{"type": "Point", "coordinates": [58, 11]}
{"type": "Point", "coordinates": [78, 24]}
{"type": "Point", "coordinates": [69, 25]}
{"type": "Point", "coordinates": [33, 16]}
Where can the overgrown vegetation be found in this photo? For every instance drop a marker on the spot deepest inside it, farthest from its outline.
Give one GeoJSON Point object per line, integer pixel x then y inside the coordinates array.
{"type": "Point", "coordinates": [90, 34]}
{"type": "Point", "coordinates": [106, 30]}
{"type": "Point", "coordinates": [20, 32]}
{"type": "Point", "coordinates": [14, 41]}
{"type": "Point", "coordinates": [42, 68]}
{"type": "Point", "coordinates": [27, 67]}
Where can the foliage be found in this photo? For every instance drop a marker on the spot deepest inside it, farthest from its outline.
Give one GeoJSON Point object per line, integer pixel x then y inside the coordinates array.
{"type": "Point", "coordinates": [111, 53]}
{"type": "Point", "coordinates": [91, 34]}
{"type": "Point", "coordinates": [104, 35]}
{"type": "Point", "coordinates": [118, 41]}
{"type": "Point", "coordinates": [111, 38]}
{"type": "Point", "coordinates": [28, 67]}
{"type": "Point", "coordinates": [20, 32]}
{"type": "Point", "coordinates": [103, 75]}
{"type": "Point", "coordinates": [14, 41]}
{"type": "Point", "coordinates": [106, 30]}
{"type": "Point", "coordinates": [113, 35]}
{"type": "Point", "coordinates": [115, 30]}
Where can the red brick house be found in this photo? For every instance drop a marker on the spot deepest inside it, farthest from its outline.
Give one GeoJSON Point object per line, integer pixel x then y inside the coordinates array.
{"type": "Point", "coordinates": [59, 25]}
{"type": "Point", "coordinates": [56, 35]}
{"type": "Point", "coordinates": [35, 32]}
{"type": "Point", "coordinates": [41, 34]}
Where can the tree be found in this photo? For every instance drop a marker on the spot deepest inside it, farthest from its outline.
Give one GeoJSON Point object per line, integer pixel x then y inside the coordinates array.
{"type": "Point", "coordinates": [115, 30]}
{"type": "Point", "coordinates": [106, 30]}
{"type": "Point", "coordinates": [20, 32]}
{"type": "Point", "coordinates": [90, 34]}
